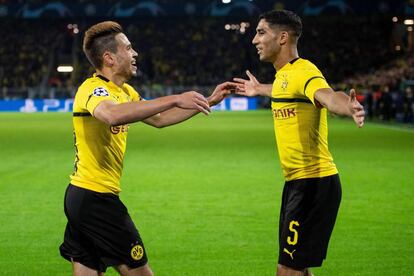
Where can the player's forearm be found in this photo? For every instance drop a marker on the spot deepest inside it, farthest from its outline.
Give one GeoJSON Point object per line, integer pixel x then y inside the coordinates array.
{"type": "Point", "coordinates": [338, 104]}
{"type": "Point", "coordinates": [130, 112]}
{"type": "Point", "coordinates": [264, 90]}
{"type": "Point", "coordinates": [171, 117]}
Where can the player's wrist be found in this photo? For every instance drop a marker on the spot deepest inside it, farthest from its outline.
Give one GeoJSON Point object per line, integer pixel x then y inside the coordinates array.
{"type": "Point", "coordinates": [211, 101]}
{"type": "Point", "coordinates": [176, 100]}
{"type": "Point", "coordinates": [264, 90]}
{"type": "Point", "coordinates": [259, 90]}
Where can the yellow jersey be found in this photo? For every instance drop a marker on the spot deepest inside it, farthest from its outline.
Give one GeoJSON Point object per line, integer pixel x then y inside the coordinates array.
{"type": "Point", "coordinates": [99, 147]}
{"type": "Point", "coordinates": [300, 124]}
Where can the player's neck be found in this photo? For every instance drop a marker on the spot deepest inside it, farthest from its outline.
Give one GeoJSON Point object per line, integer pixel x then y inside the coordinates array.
{"type": "Point", "coordinates": [117, 79]}
{"type": "Point", "coordinates": [286, 55]}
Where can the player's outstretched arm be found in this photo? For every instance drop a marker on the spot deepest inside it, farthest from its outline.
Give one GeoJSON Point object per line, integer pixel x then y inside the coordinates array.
{"type": "Point", "coordinates": [252, 87]}
{"type": "Point", "coordinates": [221, 91]}
{"type": "Point", "coordinates": [177, 115]}
{"type": "Point", "coordinates": [342, 104]}
{"type": "Point", "coordinates": [117, 114]}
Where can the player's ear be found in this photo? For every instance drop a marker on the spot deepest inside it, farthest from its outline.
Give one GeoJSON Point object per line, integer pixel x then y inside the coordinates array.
{"type": "Point", "coordinates": [283, 37]}
{"type": "Point", "coordinates": [108, 59]}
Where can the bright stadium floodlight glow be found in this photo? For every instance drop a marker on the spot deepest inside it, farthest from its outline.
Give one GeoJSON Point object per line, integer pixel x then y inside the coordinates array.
{"type": "Point", "coordinates": [410, 28]}
{"type": "Point", "coordinates": [395, 19]}
{"type": "Point", "coordinates": [243, 27]}
{"type": "Point", "coordinates": [65, 69]}
{"type": "Point", "coordinates": [409, 22]}
{"type": "Point", "coordinates": [226, 1]}
{"type": "Point", "coordinates": [227, 27]}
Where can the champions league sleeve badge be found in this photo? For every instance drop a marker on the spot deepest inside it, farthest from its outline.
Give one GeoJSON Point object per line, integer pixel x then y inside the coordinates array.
{"type": "Point", "coordinates": [100, 91]}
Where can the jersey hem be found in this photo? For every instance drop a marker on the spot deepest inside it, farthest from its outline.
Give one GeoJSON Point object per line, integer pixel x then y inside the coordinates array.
{"type": "Point", "coordinates": [93, 187]}
{"type": "Point", "coordinates": [312, 175]}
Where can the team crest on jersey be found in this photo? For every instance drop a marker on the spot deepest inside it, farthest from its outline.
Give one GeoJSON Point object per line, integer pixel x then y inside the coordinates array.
{"type": "Point", "coordinates": [100, 91]}
{"type": "Point", "coordinates": [284, 82]}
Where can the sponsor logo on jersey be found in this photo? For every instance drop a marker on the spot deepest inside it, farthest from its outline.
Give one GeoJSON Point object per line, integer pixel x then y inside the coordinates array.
{"type": "Point", "coordinates": [284, 113]}
{"type": "Point", "coordinates": [118, 129]}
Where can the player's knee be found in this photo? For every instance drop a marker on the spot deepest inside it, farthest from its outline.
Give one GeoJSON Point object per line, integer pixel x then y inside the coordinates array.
{"type": "Point", "coordinates": [141, 271]}
{"type": "Point", "coordinates": [308, 272]}
{"type": "Point", "coordinates": [147, 272]}
{"type": "Point", "coordinates": [283, 270]}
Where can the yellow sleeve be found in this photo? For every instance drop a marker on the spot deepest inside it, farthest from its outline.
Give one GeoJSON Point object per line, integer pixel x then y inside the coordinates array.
{"type": "Point", "coordinates": [90, 97]}
{"type": "Point", "coordinates": [314, 80]}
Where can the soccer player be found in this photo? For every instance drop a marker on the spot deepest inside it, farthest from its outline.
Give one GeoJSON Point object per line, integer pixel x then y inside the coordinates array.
{"type": "Point", "coordinates": [100, 232]}
{"type": "Point", "coordinates": [300, 99]}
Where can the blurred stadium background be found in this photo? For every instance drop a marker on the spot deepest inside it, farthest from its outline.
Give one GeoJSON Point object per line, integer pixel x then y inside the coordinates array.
{"type": "Point", "coordinates": [197, 44]}
{"type": "Point", "coordinates": [206, 194]}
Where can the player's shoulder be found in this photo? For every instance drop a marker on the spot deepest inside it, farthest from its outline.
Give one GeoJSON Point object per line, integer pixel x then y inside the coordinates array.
{"type": "Point", "coordinates": [93, 82]}
{"type": "Point", "coordinates": [306, 69]}
{"type": "Point", "coordinates": [94, 85]}
{"type": "Point", "coordinates": [305, 64]}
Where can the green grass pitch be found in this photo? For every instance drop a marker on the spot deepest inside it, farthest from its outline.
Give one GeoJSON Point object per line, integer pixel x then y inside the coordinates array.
{"type": "Point", "coordinates": [205, 195]}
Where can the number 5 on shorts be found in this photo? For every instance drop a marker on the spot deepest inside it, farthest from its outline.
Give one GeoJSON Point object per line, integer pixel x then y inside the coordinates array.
{"type": "Point", "coordinates": [294, 240]}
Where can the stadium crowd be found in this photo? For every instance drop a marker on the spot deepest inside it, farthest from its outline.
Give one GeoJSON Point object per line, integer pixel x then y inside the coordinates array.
{"type": "Point", "coordinates": [180, 53]}
{"type": "Point", "coordinates": [387, 93]}
{"type": "Point", "coordinates": [25, 53]}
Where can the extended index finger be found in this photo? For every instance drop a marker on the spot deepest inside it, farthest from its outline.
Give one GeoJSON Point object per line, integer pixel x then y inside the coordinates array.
{"type": "Point", "coordinates": [239, 80]}
{"type": "Point", "coordinates": [203, 106]}
{"type": "Point", "coordinates": [230, 84]}
{"type": "Point", "coordinates": [250, 75]}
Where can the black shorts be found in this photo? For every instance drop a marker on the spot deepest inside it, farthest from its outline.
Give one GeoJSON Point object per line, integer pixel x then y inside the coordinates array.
{"type": "Point", "coordinates": [307, 217]}
{"type": "Point", "coordinates": [100, 232]}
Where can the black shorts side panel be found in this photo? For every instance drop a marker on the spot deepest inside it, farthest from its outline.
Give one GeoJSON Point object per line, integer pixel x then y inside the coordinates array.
{"type": "Point", "coordinates": [307, 217]}
{"type": "Point", "coordinates": [100, 233]}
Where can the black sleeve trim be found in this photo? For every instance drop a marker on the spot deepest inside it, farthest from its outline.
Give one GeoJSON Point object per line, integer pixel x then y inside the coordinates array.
{"type": "Point", "coordinates": [292, 100]}
{"type": "Point", "coordinates": [309, 80]}
{"type": "Point", "coordinates": [81, 114]}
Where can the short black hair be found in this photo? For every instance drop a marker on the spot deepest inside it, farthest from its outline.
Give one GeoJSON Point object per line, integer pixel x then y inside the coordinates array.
{"type": "Point", "coordinates": [285, 19]}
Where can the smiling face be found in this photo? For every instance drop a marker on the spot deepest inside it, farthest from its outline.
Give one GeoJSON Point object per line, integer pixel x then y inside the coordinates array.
{"type": "Point", "coordinates": [125, 58]}
{"type": "Point", "coordinates": [267, 41]}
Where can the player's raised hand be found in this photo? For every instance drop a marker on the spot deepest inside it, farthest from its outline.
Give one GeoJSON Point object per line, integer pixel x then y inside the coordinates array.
{"type": "Point", "coordinates": [357, 110]}
{"type": "Point", "coordinates": [221, 91]}
{"type": "Point", "coordinates": [193, 100]}
{"type": "Point", "coordinates": [250, 87]}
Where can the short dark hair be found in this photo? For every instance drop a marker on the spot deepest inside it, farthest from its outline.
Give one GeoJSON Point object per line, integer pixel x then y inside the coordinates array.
{"type": "Point", "coordinates": [98, 39]}
{"type": "Point", "coordinates": [285, 19]}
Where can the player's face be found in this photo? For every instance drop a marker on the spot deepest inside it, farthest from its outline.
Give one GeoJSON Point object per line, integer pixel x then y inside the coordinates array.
{"type": "Point", "coordinates": [125, 57]}
{"type": "Point", "coordinates": [266, 42]}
